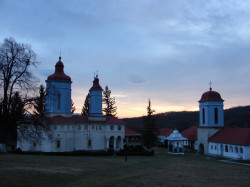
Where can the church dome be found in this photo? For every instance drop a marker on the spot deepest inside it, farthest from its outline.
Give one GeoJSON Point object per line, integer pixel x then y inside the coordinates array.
{"type": "Point", "coordinates": [210, 96]}
{"type": "Point", "coordinates": [59, 73]}
{"type": "Point", "coordinates": [96, 85]}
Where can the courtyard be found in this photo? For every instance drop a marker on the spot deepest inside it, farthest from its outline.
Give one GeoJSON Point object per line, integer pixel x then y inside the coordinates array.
{"type": "Point", "coordinates": [159, 170]}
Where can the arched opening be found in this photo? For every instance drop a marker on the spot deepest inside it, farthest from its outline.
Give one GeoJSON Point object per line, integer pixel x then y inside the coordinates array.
{"type": "Point", "coordinates": [170, 147]}
{"type": "Point", "coordinates": [216, 115]}
{"type": "Point", "coordinates": [203, 116]}
{"type": "Point", "coordinates": [111, 142]}
{"type": "Point", "coordinates": [58, 101]}
{"type": "Point", "coordinates": [201, 148]}
{"type": "Point", "coordinates": [118, 142]}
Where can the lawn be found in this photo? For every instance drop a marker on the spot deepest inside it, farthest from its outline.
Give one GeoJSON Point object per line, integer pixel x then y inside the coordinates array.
{"type": "Point", "coordinates": [159, 170]}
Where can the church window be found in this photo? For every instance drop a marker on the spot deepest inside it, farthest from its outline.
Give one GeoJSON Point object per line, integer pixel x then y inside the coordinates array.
{"type": "Point", "coordinates": [241, 150]}
{"type": "Point", "coordinates": [216, 115]}
{"type": "Point", "coordinates": [236, 149]}
{"type": "Point", "coordinates": [119, 127]}
{"type": "Point", "coordinates": [112, 127]}
{"type": "Point", "coordinates": [203, 115]}
{"type": "Point", "coordinates": [89, 143]}
{"type": "Point", "coordinates": [58, 101]}
{"type": "Point", "coordinates": [226, 148]}
{"type": "Point", "coordinates": [215, 147]}
{"type": "Point", "coordinates": [58, 144]}
{"type": "Point", "coordinates": [231, 149]}
{"type": "Point", "coordinates": [212, 147]}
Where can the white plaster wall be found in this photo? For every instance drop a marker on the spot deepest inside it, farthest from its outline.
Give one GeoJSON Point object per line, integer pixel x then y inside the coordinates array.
{"type": "Point", "coordinates": [232, 151]}
{"type": "Point", "coordinates": [203, 134]}
{"type": "Point", "coordinates": [209, 113]}
{"type": "Point", "coordinates": [75, 137]}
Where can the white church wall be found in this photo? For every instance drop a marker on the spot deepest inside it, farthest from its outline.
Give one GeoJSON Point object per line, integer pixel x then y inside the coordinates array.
{"type": "Point", "coordinates": [229, 150]}
{"type": "Point", "coordinates": [246, 153]}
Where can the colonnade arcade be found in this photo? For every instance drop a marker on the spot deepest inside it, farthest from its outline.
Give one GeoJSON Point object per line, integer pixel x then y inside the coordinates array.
{"type": "Point", "coordinates": [114, 142]}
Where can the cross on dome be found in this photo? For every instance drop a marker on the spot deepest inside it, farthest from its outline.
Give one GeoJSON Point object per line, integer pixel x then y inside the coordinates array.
{"type": "Point", "coordinates": [210, 85]}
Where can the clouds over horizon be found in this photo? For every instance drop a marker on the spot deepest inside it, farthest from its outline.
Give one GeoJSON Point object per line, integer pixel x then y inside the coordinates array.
{"type": "Point", "coordinates": [164, 50]}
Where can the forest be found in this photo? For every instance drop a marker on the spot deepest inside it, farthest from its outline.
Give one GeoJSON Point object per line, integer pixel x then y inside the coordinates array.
{"type": "Point", "coordinates": [233, 117]}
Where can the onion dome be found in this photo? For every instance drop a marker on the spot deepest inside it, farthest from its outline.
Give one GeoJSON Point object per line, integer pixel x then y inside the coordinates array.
{"type": "Point", "coordinates": [210, 96]}
{"type": "Point", "coordinates": [96, 85]}
{"type": "Point", "coordinates": [59, 73]}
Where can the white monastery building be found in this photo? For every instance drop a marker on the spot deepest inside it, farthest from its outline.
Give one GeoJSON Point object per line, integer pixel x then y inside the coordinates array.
{"type": "Point", "coordinates": [93, 132]}
{"type": "Point", "coordinates": [215, 139]}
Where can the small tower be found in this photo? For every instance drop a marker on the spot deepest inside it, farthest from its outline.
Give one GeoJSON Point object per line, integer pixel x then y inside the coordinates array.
{"type": "Point", "coordinates": [211, 109]}
{"type": "Point", "coordinates": [95, 98]}
{"type": "Point", "coordinates": [58, 90]}
{"type": "Point", "coordinates": [211, 118]}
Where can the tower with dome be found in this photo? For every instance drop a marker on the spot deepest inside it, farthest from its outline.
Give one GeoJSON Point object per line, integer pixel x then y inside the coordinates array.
{"type": "Point", "coordinates": [211, 118]}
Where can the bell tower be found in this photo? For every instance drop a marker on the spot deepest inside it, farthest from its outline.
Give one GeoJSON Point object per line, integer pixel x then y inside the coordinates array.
{"type": "Point", "coordinates": [95, 98]}
{"type": "Point", "coordinates": [58, 93]}
{"type": "Point", "coordinates": [211, 109]}
{"type": "Point", "coordinates": [211, 118]}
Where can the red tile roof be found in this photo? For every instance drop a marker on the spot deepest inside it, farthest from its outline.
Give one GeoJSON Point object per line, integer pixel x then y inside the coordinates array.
{"type": "Point", "coordinates": [131, 132]}
{"type": "Point", "coordinates": [230, 135]}
{"type": "Point", "coordinates": [84, 119]}
{"type": "Point", "coordinates": [165, 131]}
{"type": "Point", "coordinates": [96, 85]}
{"type": "Point", "coordinates": [210, 96]}
{"type": "Point", "coordinates": [59, 73]}
{"type": "Point", "coordinates": [112, 119]}
{"type": "Point", "coordinates": [190, 133]}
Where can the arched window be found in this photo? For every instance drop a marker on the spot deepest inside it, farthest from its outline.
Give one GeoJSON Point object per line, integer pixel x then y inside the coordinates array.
{"type": "Point", "coordinates": [236, 149]}
{"type": "Point", "coordinates": [58, 101]}
{"type": "Point", "coordinates": [226, 148]}
{"type": "Point", "coordinates": [231, 149]}
{"type": "Point", "coordinates": [216, 115]}
{"type": "Point", "coordinates": [203, 115]}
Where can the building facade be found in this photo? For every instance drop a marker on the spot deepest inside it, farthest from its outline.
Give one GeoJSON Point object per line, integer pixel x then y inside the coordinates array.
{"type": "Point", "coordinates": [92, 132]}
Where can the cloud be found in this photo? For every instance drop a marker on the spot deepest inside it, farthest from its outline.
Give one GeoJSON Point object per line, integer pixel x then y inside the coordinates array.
{"type": "Point", "coordinates": [136, 80]}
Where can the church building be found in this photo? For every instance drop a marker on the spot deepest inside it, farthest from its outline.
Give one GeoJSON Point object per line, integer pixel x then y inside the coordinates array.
{"type": "Point", "coordinates": [92, 132]}
{"type": "Point", "coordinates": [215, 139]}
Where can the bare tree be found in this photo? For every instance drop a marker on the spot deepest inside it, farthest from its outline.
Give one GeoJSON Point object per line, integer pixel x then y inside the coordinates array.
{"type": "Point", "coordinates": [16, 61]}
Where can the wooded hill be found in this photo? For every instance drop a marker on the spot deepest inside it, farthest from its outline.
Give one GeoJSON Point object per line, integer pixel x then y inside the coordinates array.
{"type": "Point", "coordinates": [234, 117]}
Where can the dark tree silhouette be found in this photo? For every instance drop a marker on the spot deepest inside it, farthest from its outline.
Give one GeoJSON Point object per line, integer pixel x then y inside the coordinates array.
{"type": "Point", "coordinates": [17, 84]}
{"type": "Point", "coordinates": [73, 108]}
{"type": "Point", "coordinates": [39, 103]}
{"type": "Point", "coordinates": [85, 108]}
{"type": "Point", "coordinates": [150, 130]}
{"type": "Point", "coordinates": [110, 108]}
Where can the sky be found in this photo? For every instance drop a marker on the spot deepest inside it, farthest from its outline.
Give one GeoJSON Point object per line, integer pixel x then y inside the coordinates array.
{"type": "Point", "coordinates": [162, 50]}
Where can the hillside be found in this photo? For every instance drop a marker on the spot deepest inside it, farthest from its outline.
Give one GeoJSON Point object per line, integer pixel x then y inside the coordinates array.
{"type": "Point", "coordinates": [234, 117]}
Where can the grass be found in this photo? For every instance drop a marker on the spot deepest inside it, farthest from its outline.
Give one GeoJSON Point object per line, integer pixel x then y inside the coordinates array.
{"type": "Point", "coordinates": [160, 170]}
